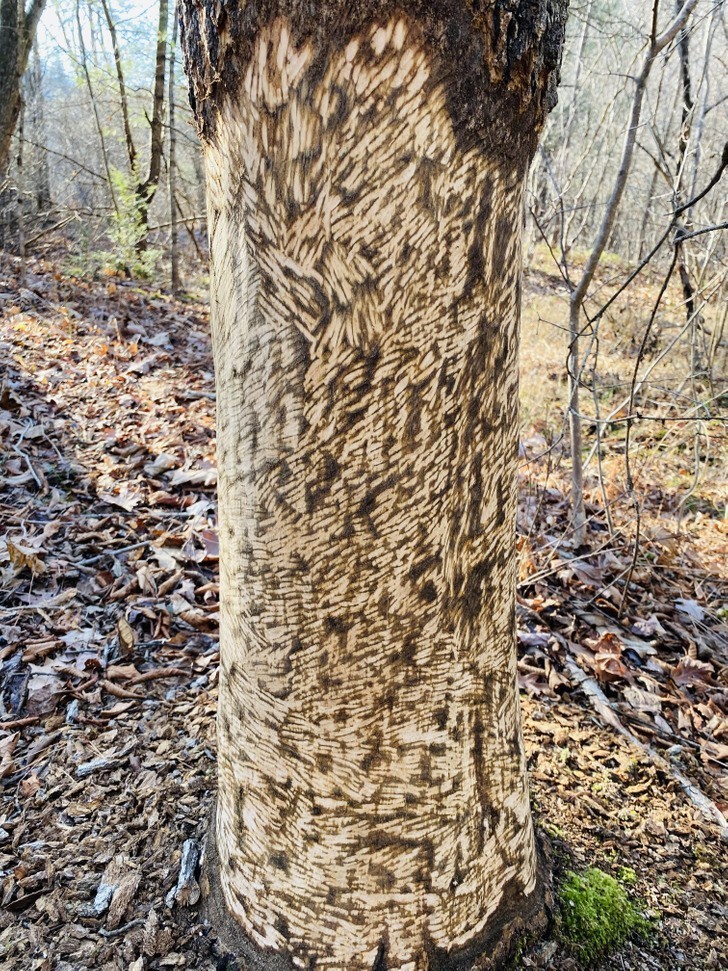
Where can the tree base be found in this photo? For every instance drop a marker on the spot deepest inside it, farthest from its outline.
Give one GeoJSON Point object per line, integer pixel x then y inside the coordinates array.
{"type": "Point", "coordinates": [515, 922]}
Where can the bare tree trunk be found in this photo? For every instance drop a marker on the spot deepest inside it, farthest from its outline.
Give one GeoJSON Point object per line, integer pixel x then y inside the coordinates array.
{"type": "Point", "coordinates": [365, 169]}
{"type": "Point", "coordinates": [686, 121]}
{"type": "Point", "coordinates": [657, 43]}
{"type": "Point", "coordinates": [576, 438]}
{"type": "Point", "coordinates": [20, 191]}
{"type": "Point", "coordinates": [18, 27]}
{"type": "Point", "coordinates": [704, 87]}
{"type": "Point", "coordinates": [94, 106]}
{"type": "Point", "coordinates": [573, 103]}
{"type": "Point", "coordinates": [173, 235]}
{"type": "Point", "coordinates": [647, 213]}
{"type": "Point", "coordinates": [687, 106]}
{"type": "Point", "coordinates": [128, 137]}
{"type": "Point", "coordinates": [146, 190]}
{"type": "Point", "coordinates": [39, 167]}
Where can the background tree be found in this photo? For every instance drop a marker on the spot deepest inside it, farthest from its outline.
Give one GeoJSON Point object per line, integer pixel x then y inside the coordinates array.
{"type": "Point", "coordinates": [601, 198]}
{"type": "Point", "coordinates": [145, 190]}
{"type": "Point", "coordinates": [365, 169]}
{"type": "Point", "coordinates": [36, 132]}
{"type": "Point", "coordinates": [99, 120]}
{"type": "Point", "coordinates": [18, 27]}
{"type": "Point", "coordinates": [657, 43]}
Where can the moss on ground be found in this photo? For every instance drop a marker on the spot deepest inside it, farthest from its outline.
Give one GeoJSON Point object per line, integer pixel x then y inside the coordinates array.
{"type": "Point", "coordinates": [597, 916]}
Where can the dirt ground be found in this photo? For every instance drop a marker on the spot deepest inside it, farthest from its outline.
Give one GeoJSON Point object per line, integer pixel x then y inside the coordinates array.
{"type": "Point", "coordinates": [108, 644]}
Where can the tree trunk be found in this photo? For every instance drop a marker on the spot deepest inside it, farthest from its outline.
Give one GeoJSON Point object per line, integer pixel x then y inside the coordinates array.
{"type": "Point", "coordinates": [365, 166]}
{"type": "Point", "coordinates": [657, 43]}
{"type": "Point", "coordinates": [147, 190]}
{"type": "Point", "coordinates": [17, 34]}
{"type": "Point", "coordinates": [94, 107]}
{"type": "Point", "coordinates": [40, 173]}
{"type": "Point", "coordinates": [128, 137]}
{"type": "Point", "coordinates": [20, 184]}
{"type": "Point", "coordinates": [172, 166]}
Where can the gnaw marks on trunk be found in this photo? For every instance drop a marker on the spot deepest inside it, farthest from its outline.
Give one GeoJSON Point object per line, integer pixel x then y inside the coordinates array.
{"type": "Point", "coordinates": [365, 239]}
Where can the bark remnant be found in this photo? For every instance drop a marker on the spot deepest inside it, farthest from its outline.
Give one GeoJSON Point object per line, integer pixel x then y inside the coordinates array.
{"type": "Point", "coordinates": [504, 55]}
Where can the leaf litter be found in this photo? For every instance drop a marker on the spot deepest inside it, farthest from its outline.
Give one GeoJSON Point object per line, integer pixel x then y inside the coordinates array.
{"type": "Point", "coordinates": [109, 653]}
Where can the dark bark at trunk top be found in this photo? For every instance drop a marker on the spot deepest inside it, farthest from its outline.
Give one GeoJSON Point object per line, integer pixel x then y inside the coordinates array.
{"type": "Point", "coordinates": [502, 56]}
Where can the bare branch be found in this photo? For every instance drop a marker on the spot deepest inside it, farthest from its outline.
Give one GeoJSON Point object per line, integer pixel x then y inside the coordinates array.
{"type": "Point", "coordinates": [713, 182]}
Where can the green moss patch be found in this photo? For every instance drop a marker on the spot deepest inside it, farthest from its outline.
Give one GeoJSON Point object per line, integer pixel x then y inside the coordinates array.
{"type": "Point", "coordinates": [597, 916]}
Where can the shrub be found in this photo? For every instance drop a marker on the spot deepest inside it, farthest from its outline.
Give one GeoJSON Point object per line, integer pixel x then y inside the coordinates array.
{"type": "Point", "coordinates": [128, 231]}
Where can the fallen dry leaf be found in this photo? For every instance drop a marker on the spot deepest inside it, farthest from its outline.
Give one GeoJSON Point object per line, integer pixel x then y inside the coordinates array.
{"type": "Point", "coordinates": [127, 637]}
{"type": "Point", "coordinates": [690, 672]}
{"type": "Point", "coordinates": [642, 700]}
{"type": "Point", "coordinates": [123, 895]}
{"type": "Point", "coordinates": [29, 786]}
{"type": "Point", "coordinates": [23, 557]}
{"type": "Point", "coordinates": [690, 607]}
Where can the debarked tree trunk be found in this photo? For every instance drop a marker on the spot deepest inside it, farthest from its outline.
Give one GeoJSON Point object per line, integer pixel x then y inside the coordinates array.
{"type": "Point", "coordinates": [365, 164]}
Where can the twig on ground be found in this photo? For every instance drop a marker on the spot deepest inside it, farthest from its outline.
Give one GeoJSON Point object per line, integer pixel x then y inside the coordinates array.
{"type": "Point", "coordinates": [137, 922]}
{"type": "Point", "coordinates": [606, 711]}
{"type": "Point", "coordinates": [117, 691]}
{"type": "Point", "coordinates": [113, 552]}
{"type": "Point", "coordinates": [19, 722]}
{"type": "Point", "coordinates": [158, 673]}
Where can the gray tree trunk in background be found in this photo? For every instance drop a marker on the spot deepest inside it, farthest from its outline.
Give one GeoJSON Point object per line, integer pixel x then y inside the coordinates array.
{"type": "Point", "coordinates": [39, 181]}
{"type": "Point", "coordinates": [172, 167]}
{"type": "Point", "coordinates": [657, 43]}
{"type": "Point", "coordinates": [365, 168]}
{"type": "Point", "coordinates": [147, 189]}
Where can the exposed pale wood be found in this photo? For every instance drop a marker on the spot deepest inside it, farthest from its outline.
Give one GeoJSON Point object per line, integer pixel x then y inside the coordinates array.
{"type": "Point", "coordinates": [365, 269]}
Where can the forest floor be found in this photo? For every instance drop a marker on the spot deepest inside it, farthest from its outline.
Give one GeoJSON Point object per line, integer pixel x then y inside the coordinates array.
{"type": "Point", "coordinates": [108, 644]}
